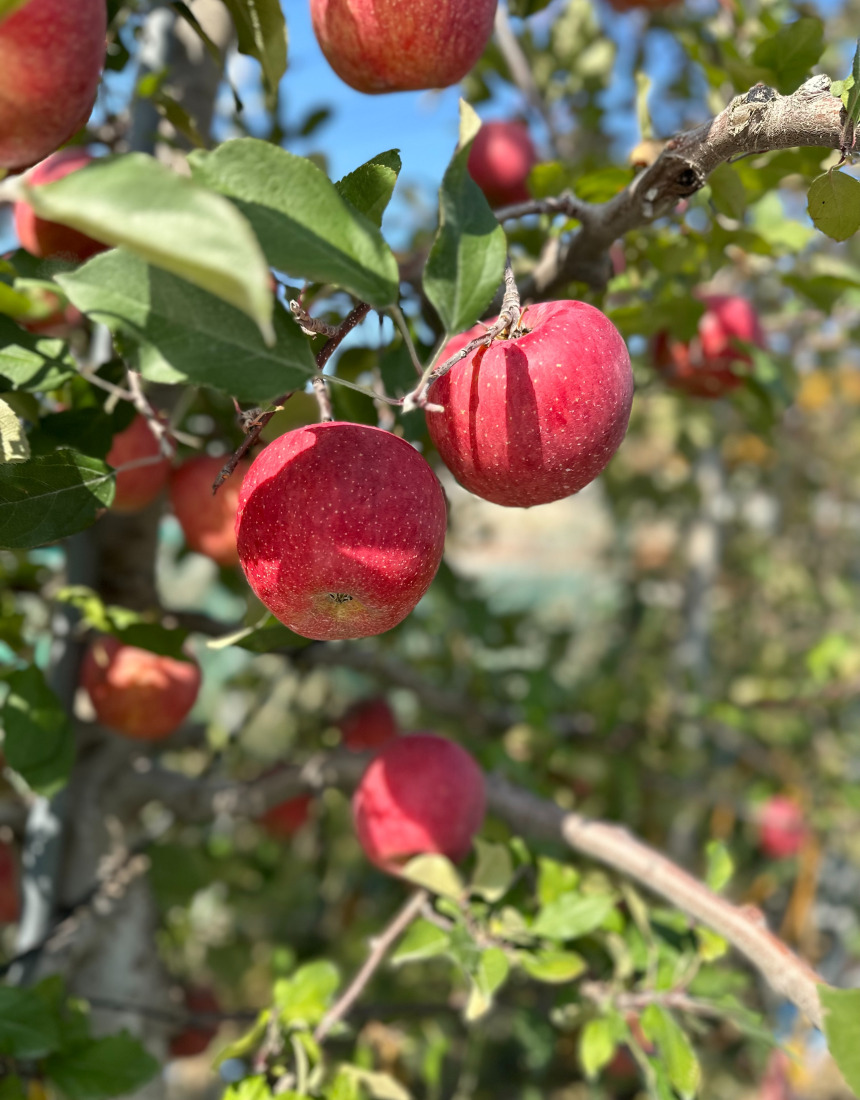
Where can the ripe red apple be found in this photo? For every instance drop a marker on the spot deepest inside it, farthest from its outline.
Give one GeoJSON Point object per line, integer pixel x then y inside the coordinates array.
{"type": "Point", "coordinates": [340, 529]}
{"type": "Point", "coordinates": [782, 830]}
{"type": "Point", "coordinates": [388, 46]}
{"type": "Point", "coordinates": [534, 418]}
{"type": "Point", "coordinates": [137, 487]}
{"type": "Point", "coordinates": [47, 239]}
{"type": "Point", "coordinates": [501, 157]}
{"type": "Point", "coordinates": [285, 819]}
{"type": "Point", "coordinates": [208, 521]}
{"type": "Point", "coordinates": [199, 1033]}
{"type": "Point", "coordinates": [420, 794]}
{"type": "Point", "coordinates": [10, 890]}
{"type": "Point", "coordinates": [704, 366]}
{"type": "Point", "coordinates": [52, 54]}
{"type": "Point", "coordinates": [137, 693]}
{"type": "Point", "coordinates": [367, 725]}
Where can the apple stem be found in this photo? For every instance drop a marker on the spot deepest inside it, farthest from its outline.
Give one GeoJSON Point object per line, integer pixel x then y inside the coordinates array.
{"type": "Point", "coordinates": [323, 399]}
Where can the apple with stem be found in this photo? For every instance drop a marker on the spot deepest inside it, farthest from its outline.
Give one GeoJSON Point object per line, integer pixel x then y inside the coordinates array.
{"type": "Point", "coordinates": [340, 529]}
{"type": "Point", "coordinates": [140, 694]}
{"type": "Point", "coordinates": [536, 415]}
{"type": "Point", "coordinates": [367, 725]}
{"type": "Point", "coordinates": [706, 366]}
{"type": "Point", "coordinates": [420, 794]}
{"type": "Point", "coordinates": [387, 46]}
{"type": "Point", "coordinates": [501, 157]}
{"type": "Point", "coordinates": [140, 485]}
{"type": "Point", "coordinates": [52, 55]}
{"type": "Point", "coordinates": [208, 520]}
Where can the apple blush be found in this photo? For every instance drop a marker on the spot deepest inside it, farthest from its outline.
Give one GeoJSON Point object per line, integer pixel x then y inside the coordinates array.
{"type": "Point", "coordinates": [340, 529]}
{"type": "Point", "coordinates": [208, 520]}
{"type": "Point", "coordinates": [501, 157]}
{"type": "Point", "coordinates": [537, 415]}
{"type": "Point", "coordinates": [47, 239]}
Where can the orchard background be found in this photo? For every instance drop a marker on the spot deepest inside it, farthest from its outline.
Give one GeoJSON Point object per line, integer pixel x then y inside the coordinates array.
{"type": "Point", "coordinates": [674, 650]}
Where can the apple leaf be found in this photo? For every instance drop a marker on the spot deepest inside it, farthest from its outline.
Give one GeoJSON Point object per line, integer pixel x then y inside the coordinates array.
{"type": "Point", "coordinates": [493, 871]}
{"type": "Point", "coordinates": [681, 1063]}
{"type": "Point", "coordinates": [130, 626]}
{"type": "Point", "coordinates": [423, 940]}
{"type": "Point", "coordinates": [101, 1068]}
{"type": "Point", "coordinates": [572, 916]}
{"type": "Point", "coordinates": [848, 90]}
{"type": "Point", "coordinates": [721, 866]}
{"type": "Point", "coordinates": [552, 966]}
{"type": "Point", "coordinates": [51, 496]}
{"type": "Point", "coordinates": [370, 186]}
{"type": "Point", "coordinates": [834, 205]}
{"type": "Point", "coordinates": [29, 362]}
{"type": "Point", "coordinates": [14, 446]}
{"type": "Point", "coordinates": [791, 52]}
{"type": "Point", "coordinates": [596, 1047]}
{"type": "Point", "coordinates": [467, 260]}
{"type": "Point", "coordinates": [261, 32]}
{"type": "Point", "coordinates": [436, 874]}
{"type": "Point", "coordinates": [489, 975]}
{"type": "Point", "coordinates": [306, 228]}
{"type": "Point", "coordinates": [26, 1029]}
{"type": "Point", "coordinates": [184, 334]}
{"type": "Point", "coordinates": [842, 1028]}
{"type": "Point", "coordinates": [168, 220]}
{"type": "Point", "coordinates": [39, 742]}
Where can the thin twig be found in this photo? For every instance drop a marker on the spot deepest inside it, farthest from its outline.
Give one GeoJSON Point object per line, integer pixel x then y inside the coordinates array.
{"type": "Point", "coordinates": [323, 399]}
{"type": "Point", "coordinates": [399, 320]}
{"type": "Point", "coordinates": [566, 203]}
{"type": "Point", "coordinates": [310, 326]}
{"type": "Point", "coordinates": [379, 948]}
{"type": "Point", "coordinates": [156, 425]}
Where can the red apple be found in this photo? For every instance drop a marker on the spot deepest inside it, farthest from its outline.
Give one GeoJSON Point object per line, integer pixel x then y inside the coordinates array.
{"type": "Point", "coordinates": [52, 54]}
{"type": "Point", "coordinates": [501, 157]}
{"type": "Point", "coordinates": [340, 529]}
{"type": "Point", "coordinates": [704, 367]}
{"type": "Point", "coordinates": [782, 830]}
{"type": "Point", "coordinates": [47, 239]}
{"type": "Point", "coordinates": [199, 1033]}
{"type": "Point", "coordinates": [285, 819]}
{"type": "Point", "coordinates": [208, 521]}
{"type": "Point", "coordinates": [137, 487]}
{"type": "Point", "coordinates": [137, 693]}
{"type": "Point", "coordinates": [58, 322]}
{"type": "Point", "coordinates": [534, 418]}
{"type": "Point", "coordinates": [367, 725]}
{"type": "Point", "coordinates": [10, 891]}
{"type": "Point", "coordinates": [420, 794]}
{"type": "Point", "coordinates": [388, 46]}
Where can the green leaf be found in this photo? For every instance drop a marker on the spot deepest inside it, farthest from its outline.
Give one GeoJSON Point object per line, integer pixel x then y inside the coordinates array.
{"type": "Point", "coordinates": [29, 362]}
{"type": "Point", "coordinates": [369, 187]}
{"type": "Point", "coordinates": [834, 205]}
{"type": "Point", "coordinates": [842, 1028]}
{"type": "Point", "coordinates": [721, 866]}
{"type": "Point", "coordinates": [127, 625]}
{"type": "Point", "coordinates": [572, 916]}
{"type": "Point", "coordinates": [262, 34]}
{"type": "Point", "coordinates": [852, 100]}
{"type": "Point", "coordinates": [168, 220]}
{"type": "Point", "coordinates": [252, 1088]}
{"type": "Point", "coordinates": [102, 1068]}
{"type": "Point", "coordinates": [423, 940]}
{"type": "Point", "coordinates": [187, 335]}
{"type": "Point", "coordinates": [14, 446]}
{"type": "Point", "coordinates": [39, 742]}
{"type": "Point", "coordinates": [51, 496]}
{"type": "Point", "coordinates": [728, 193]}
{"type": "Point", "coordinates": [26, 1029]}
{"type": "Point", "coordinates": [555, 879]}
{"type": "Point", "coordinates": [553, 967]}
{"type": "Point", "coordinates": [491, 972]}
{"type": "Point", "coordinates": [436, 874]}
{"type": "Point", "coordinates": [711, 946]}
{"type": "Point", "coordinates": [306, 995]}
{"type": "Point", "coordinates": [467, 260]}
{"type": "Point", "coordinates": [681, 1063]}
{"type": "Point", "coordinates": [381, 1086]}
{"type": "Point", "coordinates": [791, 52]}
{"type": "Point", "coordinates": [596, 1047]}
{"type": "Point", "coordinates": [494, 870]}
{"type": "Point", "coordinates": [8, 6]}
{"type": "Point", "coordinates": [306, 228]}
{"type": "Point", "coordinates": [12, 1087]}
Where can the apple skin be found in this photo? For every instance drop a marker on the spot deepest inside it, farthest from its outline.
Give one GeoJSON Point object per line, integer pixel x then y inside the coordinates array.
{"type": "Point", "coordinates": [340, 529]}
{"type": "Point", "coordinates": [703, 367]}
{"type": "Point", "coordinates": [380, 46]}
{"type": "Point", "coordinates": [208, 521]}
{"type": "Point", "coordinates": [140, 694]}
{"type": "Point", "coordinates": [368, 724]}
{"type": "Point", "coordinates": [196, 1037]}
{"type": "Point", "coordinates": [47, 239]}
{"type": "Point", "coordinates": [782, 830]}
{"type": "Point", "coordinates": [53, 52]}
{"type": "Point", "coordinates": [138, 487]}
{"type": "Point", "coordinates": [10, 890]}
{"type": "Point", "coordinates": [420, 794]}
{"type": "Point", "coordinates": [535, 418]}
{"type": "Point", "coordinates": [285, 819]}
{"type": "Point", "coordinates": [501, 157]}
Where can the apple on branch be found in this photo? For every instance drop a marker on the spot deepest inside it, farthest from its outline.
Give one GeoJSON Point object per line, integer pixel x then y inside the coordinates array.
{"type": "Point", "coordinates": [368, 724]}
{"type": "Point", "coordinates": [420, 794]}
{"type": "Point", "coordinates": [207, 519]}
{"type": "Point", "coordinates": [536, 415]}
{"type": "Point", "coordinates": [47, 239]}
{"type": "Point", "coordinates": [501, 157]}
{"type": "Point", "coordinates": [782, 828]}
{"type": "Point", "coordinates": [140, 485]}
{"type": "Point", "coordinates": [51, 57]}
{"type": "Point", "coordinates": [340, 529]}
